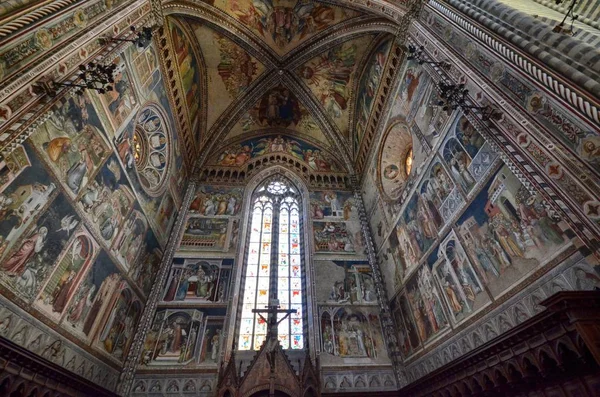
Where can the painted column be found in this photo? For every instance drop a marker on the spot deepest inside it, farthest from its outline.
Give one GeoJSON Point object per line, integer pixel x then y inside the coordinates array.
{"type": "Point", "coordinates": [128, 371]}
{"type": "Point", "coordinates": [387, 320]}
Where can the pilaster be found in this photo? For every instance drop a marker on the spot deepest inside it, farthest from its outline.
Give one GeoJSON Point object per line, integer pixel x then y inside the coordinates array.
{"type": "Point", "coordinates": [128, 371]}
{"type": "Point", "coordinates": [387, 320]}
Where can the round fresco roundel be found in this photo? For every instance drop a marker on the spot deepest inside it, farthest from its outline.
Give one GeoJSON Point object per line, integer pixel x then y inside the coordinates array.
{"type": "Point", "coordinates": [395, 160]}
{"type": "Point", "coordinates": [151, 148]}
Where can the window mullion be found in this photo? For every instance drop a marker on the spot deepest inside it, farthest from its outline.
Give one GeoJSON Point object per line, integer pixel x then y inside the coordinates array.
{"type": "Point", "coordinates": [274, 252]}
{"type": "Point", "coordinates": [262, 217]}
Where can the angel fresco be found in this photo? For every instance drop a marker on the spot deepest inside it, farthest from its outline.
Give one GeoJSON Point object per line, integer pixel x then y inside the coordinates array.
{"type": "Point", "coordinates": [240, 154]}
{"type": "Point", "coordinates": [283, 24]}
{"type": "Point", "coordinates": [330, 74]}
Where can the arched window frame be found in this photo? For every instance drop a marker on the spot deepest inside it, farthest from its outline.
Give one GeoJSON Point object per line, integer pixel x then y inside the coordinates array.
{"type": "Point", "coordinates": [233, 321]}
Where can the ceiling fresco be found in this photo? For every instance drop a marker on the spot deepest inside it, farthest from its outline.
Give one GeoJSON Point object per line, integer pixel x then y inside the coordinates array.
{"type": "Point", "coordinates": [230, 69]}
{"type": "Point", "coordinates": [239, 152]}
{"type": "Point", "coordinates": [279, 107]}
{"type": "Point", "coordinates": [285, 77]}
{"type": "Point", "coordinates": [331, 77]}
{"type": "Point", "coordinates": [284, 24]}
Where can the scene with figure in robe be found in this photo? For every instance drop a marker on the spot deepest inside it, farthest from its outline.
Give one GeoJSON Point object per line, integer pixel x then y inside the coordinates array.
{"type": "Point", "coordinates": [466, 153]}
{"type": "Point", "coordinates": [92, 297]}
{"type": "Point", "coordinates": [345, 282]}
{"type": "Point", "coordinates": [425, 302]}
{"type": "Point", "coordinates": [211, 200]}
{"type": "Point", "coordinates": [408, 337]}
{"type": "Point", "coordinates": [117, 334]}
{"type": "Point", "coordinates": [194, 280]}
{"type": "Point", "coordinates": [351, 335]}
{"type": "Point", "coordinates": [212, 342]}
{"type": "Point", "coordinates": [461, 287]}
{"type": "Point", "coordinates": [330, 204]}
{"type": "Point", "coordinates": [61, 285]}
{"type": "Point", "coordinates": [172, 338]}
{"type": "Point", "coordinates": [508, 232]}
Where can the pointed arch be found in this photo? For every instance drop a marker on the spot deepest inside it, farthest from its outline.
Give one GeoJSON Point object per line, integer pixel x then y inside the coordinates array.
{"type": "Point", "coordinates": [301, 193]}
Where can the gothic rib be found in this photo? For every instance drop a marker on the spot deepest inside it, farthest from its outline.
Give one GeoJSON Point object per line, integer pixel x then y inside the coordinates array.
{"type": "Point", "coordinates": [226, 25]}
{"type": "Point", "coordinates": [329, 129]}
{"type": "Point", "coordinates": [235, 111]}
{"type": "Point", "coordinates": [335, 35]}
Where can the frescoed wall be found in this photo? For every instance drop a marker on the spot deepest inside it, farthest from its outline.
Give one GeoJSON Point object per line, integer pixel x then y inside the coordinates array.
{"type": "Point", "coordinates": [213, 219]}
{"type": "Point", "coordinates": [462, 232]}
{"type": "Point", "coordinates": [335, 223]}
{"type": "Point", "coordinates": [83, 218]}
{"type": "Point", "coordinates": [188, 327]}
{"type": "Point", "coordinates": [238, 154]}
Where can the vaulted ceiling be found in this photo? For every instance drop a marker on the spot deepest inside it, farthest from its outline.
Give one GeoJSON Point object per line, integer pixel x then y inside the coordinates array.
{"type": "Point", "coordinates": [303, 69]}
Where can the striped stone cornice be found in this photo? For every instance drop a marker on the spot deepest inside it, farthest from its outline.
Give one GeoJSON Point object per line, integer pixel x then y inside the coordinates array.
{"type": "Point", "coordinates": [583, 103]}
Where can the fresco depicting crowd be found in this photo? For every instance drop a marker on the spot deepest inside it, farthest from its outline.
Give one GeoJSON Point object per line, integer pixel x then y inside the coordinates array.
{"type": "Point", "coordinates": [76, 245]}
{"type": "Point", "coordinates": [468, 232]}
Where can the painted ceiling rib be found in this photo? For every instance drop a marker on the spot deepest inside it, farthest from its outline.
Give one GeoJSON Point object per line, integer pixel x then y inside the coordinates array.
{"type": "Point", "coordinates": [226, 25]}
{"type": "Point", "coordinates": [344, 31]}
{"type": "Point", "coordinates": [235, 111]}
{"type": "Point", "coordinates": [329, 129]}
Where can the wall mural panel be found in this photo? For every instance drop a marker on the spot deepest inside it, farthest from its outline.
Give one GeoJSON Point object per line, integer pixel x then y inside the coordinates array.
{"type": "Point", "coordinates": [199, 281]}
{"type": "Point", "coordinates": [351, 335]}
{"type": "Point", "coordinates": [462, 288]}
{"type": "Point", "coordinates": [189, 338]}
{"type": "Point", "coordinates": [119, 104]}
{"type": "Point", "coordinates": [92, 298]}
{"type": "Point", "coordinates": [336, 227]}
{"type": "Point", "coordinates": [213, 223]}
{"type": "Point", "coordinates": [71, 143]}
{"type": "Point", "coordinates": [29, 262]}
{"type": "Point", "coordinates": [466, 153]}
{"type": "Point", "coordinates": [508, 233]}
{"type": "Point", "coordinates": [345, 283]}
{"type": "Point", "coordinates": [418, 103]}
{"type": "Point", "coordinates": [117, 334]}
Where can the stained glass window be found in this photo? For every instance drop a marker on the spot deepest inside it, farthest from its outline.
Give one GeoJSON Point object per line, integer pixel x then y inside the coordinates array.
{"type": "Point", "coordinates": [273, 267]}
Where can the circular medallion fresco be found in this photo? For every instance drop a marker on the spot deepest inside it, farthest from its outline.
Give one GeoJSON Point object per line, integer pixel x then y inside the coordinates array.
{"type": "Point", "coordinates": [395, 160]}
{"type": "Point", "coordinates": [151, 149]}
